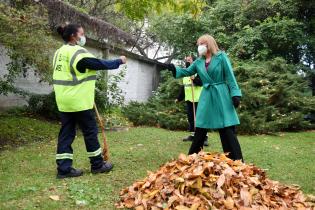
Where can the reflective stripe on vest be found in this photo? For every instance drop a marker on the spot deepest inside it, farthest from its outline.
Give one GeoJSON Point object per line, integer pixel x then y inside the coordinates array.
{"type": "Point", "coordinates": [74, 90]}
{"type": "Point", "coordinates": [55, 57]}
{"type": "Point", "coordinates": [188, 90]}
{"type": "Point", "coordinates": [73, 83]}
{"type": "Point", "coordinates": [75, 80]}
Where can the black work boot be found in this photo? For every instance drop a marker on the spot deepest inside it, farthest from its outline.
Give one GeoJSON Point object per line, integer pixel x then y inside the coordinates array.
{"type": "Point", "coordinates": [72, 173]}
{"type": "Point", "coordinates": [106, 167]}
{"type": "Point", "coordinates": [189, 138]}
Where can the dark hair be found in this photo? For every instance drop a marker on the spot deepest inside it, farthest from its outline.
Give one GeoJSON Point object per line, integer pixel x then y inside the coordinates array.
{"type": "Point", "coordinates": [68, 30]}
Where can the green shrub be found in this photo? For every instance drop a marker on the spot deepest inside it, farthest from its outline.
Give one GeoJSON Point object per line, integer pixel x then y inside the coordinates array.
{"type": "Point", "coordinates": [274, 97]}
{"type": "Point", "coordinates": [108, 94]}
{"type": "Point", "coordinates": [160, 110]}
{"type": "Point", "coordinates": [44, 105]}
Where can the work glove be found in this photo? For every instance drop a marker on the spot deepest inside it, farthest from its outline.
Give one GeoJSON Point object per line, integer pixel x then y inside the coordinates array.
{"type": "Point", "coordinates": [171, 68]}
{"type": "Point", "coordinates": [197, 81]}
{"type": "Point", "coordinates": [236, 101]}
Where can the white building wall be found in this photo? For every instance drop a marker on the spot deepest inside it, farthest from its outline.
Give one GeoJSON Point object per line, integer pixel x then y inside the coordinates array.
{"type": "Point", "coordinates": [28, 83]}
{"type": "Point", "coordinates": [140, 80]}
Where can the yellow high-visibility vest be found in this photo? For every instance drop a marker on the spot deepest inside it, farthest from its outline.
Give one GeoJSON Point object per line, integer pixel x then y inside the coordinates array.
{"type": "Point", "coordinates": [74, 90]}
{"type": "Point", "coordinates": [188, 90]}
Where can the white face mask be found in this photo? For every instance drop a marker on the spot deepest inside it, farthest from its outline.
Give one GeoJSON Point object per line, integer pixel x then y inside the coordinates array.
{"type": "Point", "coordinates": [82, 40]}
{"type": "Point", "coordinates": [202, 49]}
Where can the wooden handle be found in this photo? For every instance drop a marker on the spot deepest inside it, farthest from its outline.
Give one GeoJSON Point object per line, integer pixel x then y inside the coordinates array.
{"type": "Point", "coordinates": [105, 146]}
{"type": "Point", "coordinates": [193, 100]}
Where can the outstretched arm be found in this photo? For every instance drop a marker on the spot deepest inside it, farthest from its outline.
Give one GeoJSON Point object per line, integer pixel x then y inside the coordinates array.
{"type": "Point", "coordinates": [179, 72]}
{"type": "Point", "coordinates": [98, 64]}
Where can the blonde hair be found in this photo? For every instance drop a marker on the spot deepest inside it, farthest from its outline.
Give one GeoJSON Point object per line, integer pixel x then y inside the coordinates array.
{"type": "Point", "coordinates": [210, 42]}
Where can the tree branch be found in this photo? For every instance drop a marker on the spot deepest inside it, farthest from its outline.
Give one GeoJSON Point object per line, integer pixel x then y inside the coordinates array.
{"type": "Point", "coordinates": [60, 12]}
{"type": "Point", "coordinates": [156, 52]}
{"type": "Point", "coordinates": [163, 57]}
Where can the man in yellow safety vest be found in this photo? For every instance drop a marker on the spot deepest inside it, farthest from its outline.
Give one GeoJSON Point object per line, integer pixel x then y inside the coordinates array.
{"type": "Point", "coordinates": [191, 85]}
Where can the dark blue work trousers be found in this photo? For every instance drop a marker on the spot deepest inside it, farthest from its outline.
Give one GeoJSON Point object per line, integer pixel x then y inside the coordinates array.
{"type": "Point", "coordinates": [87, 123]}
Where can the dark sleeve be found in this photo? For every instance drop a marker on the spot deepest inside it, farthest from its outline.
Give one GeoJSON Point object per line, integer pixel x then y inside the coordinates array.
{"type": "Point", "coordinates": [97, 64]}
{"type": "Point", "coordinates": [197, 81]}
{"type": "Point", "coordinates": [181, 94]}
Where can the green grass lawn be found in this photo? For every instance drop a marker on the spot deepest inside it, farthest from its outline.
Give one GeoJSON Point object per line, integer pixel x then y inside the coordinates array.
{"type": "Point", "coordinates": [28, 172]}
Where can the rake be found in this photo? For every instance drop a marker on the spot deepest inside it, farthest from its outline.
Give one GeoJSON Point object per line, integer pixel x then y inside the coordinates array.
{"type": "Point", "coordinates": [105, 145]}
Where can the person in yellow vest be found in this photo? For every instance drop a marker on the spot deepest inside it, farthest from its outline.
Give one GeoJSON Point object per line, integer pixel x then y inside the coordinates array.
{"type": "Point", "coordinates": [74, 79]}
{"type": "Point", "coordinates": [186, 94]}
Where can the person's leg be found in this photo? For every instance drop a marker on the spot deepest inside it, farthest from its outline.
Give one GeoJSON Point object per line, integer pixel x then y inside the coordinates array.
{"type": "Point", "coordinates": [190, 118]}
{"type": "Point", "coordinates": [87, 123]}
{"type": "Point", "coordinates": [198, 141]}
{"type": "Point", "coordinates": [224, 142]}
{"type": "Point", "coordinates": [230, 143]}
{"type": "Point", "coordinates": [65, 138]}
{"type": "Point", "coordinates": [205, 143]}
{"type": "Point", "coordinates": [234, 143]}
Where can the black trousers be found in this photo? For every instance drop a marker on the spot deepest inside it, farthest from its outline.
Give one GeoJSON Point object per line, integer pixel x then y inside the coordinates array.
{"type": "Point", "coordinates": [87, 123]}
{"type": "Point", "coordinates": [190, 114]}
{"type": "Point", "coordinates": [228, 138]}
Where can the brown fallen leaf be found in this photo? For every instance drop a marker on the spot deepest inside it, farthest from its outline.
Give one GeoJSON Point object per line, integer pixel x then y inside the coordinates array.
{"type": "Point", "coordinates": [221, 180]}
{"type": "Point", "coordinates": [229, 203]}
{"type": "Point", "coordinates": [139, 208]}
{"type": "Point", "coordinates": [246, 197]}
{"type": "Point", "coordinates": [182, 208]}
{"type": "Point", "coordinates": [54, 197]}
{"type": "Point", "coordinates": [195, 206]}
{"type": "Point", "coordinates": [129, 203]}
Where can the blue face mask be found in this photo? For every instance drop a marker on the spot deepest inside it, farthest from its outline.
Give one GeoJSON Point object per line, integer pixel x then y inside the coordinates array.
{"type": "Point", "coordinates": [82, 40]}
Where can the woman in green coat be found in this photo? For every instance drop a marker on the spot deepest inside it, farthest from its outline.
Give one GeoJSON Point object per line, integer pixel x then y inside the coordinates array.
{"type": "Point", "coordinates": [219, 97]}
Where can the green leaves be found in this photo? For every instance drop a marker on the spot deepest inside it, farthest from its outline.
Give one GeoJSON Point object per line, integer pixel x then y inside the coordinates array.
{"type": "Point", "coordinates": [258, 30]}
{"type": "Point", "coordinates": [178, 31]}
{"type": "Point", "coordinates": [140, 9]}
{"type": "Point", "coordinates": [274, 97]}
{"type": "Point", "coordinates": [27, 38]}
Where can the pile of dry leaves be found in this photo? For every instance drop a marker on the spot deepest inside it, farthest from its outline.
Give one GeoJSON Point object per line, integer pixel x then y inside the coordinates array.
{"type": "Point", "coordinates": [210, 181]}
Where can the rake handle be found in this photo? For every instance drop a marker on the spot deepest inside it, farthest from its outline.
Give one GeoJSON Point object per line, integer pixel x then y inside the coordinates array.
{"type": "Point", "coordinates": [193, 101]}
{"type": "Point", "coordinates": [105, 145]}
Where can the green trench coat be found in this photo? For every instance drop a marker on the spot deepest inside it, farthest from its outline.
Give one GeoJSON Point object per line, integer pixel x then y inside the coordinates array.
{"type": "Point", "coordinates": [215, 107]}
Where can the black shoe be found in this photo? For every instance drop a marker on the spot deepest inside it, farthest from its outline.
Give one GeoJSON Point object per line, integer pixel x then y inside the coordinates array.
{"type": "Point", "coordinates": [72, 173]}
{"type": "Point", "coordinates": [106, 167]}
{"type": "Point", "coordinates": [189, 138]}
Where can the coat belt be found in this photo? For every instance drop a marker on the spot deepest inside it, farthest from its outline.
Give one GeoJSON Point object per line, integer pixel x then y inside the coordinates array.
{"type": "Point", "coordinates": [207, 85]}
